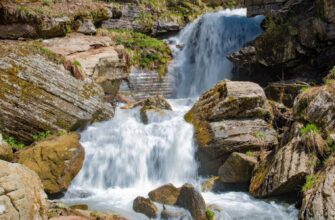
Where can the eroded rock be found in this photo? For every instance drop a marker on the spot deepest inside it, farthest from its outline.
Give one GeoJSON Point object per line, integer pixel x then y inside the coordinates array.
{"type": "Point", "coordinates": [56, 160]}
{"type": "Point", "coordinates": [145, 206]}
{"type": "Point", "coordinates": [22, 194]}
{"type": "Point", "coordinates": [166, 194]}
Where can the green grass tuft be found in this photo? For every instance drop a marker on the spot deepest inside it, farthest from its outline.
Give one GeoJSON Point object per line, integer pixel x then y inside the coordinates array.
{"type": "Point", "coordinates": [309, 128]}
{"type": "Point", "coordinates": [77, 63]}
{"type": "Point", "coordinates": [14, 143]}
{"type": "Point", "coordinates": [309, 184]}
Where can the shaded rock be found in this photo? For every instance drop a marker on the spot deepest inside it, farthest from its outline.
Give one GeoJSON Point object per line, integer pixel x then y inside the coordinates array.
{"type": "Point", "coordinates": [210, 184]}
{"type": "Point", "coordinates": [166, 214]}
{"type": "Point", "coordinates": [86, 27]}
{"type": "Point", "coordinates": [145, 206]}
{"type": "Point", "coordinates": [237, 168]}
{"type": "Point", "coordinates": [22, 194]}
{"type": "Point", "coordinates": [284, 92]}
{"type": "Point", "coordinates": [318, 202]}
{"type": "Point", "coordinates": [56, 160]}
{"type": "Point", "coordinates": [317, 105]}
{"type": "Point", "coordinates": [36, 95]}
{"type": "Point", "coordinates": [166, 194]}
{"type": "Point", "coordinates": [228, 136]}
{"type": "Point", "coordinates": [192, 200]}
{"type": "Point", "coordinates": [6, 151]}
{"type": "Point", "coordinates": [284, 172]}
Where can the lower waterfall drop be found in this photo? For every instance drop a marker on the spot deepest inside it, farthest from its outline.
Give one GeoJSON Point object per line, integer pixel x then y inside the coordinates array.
{"type": "Point", "coordinates": [126, 158]}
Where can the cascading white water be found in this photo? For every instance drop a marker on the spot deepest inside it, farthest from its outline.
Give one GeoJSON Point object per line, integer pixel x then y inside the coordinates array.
{"type": "Point", "coordinates": [205, 44]}
{"type": "Point", "coordinates": [126, 158]}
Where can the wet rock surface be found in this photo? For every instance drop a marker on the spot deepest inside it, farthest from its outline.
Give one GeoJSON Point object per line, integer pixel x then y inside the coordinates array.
{"type": "Point", "coordinates": [166, 194]}
{"type": "Point", "coordinates": [145, 206]}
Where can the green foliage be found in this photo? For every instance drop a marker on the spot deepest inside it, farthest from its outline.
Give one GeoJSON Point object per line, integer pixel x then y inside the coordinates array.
{"type": "Point", "coordinates": [41, 135]}
{"type": "Point", "coordinates": [13, 142]}
{"type": "Point", "coordinates": [147, 52]}
{"type": "Point", "coordinates": [305, 88]}
{"type": "Point", "coordinates": [259, 134]}
{"type": "Point", "coordinates": [210, 214]}
{"type": "Point", "coordinates": [61, 133]}
{"type": "Point", "coordinates": [231, 3]}
{"type": "Point", "coordinates": [250, 153]}
{"type": "Point", "coordinates": [77, 63]}
{"type": "Point", "coordinates": [309, 184]}
{"type": "Point", "coordinates": [46, 2]}
{"type": "Point", "coordinates": [309, 128]}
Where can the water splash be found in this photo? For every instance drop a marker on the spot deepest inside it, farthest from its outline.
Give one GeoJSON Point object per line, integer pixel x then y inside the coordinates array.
{"type": "Point", "coordinates": [205, 43]}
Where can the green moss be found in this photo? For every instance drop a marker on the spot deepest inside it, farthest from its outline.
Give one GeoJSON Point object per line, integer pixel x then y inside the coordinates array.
{"type": "Point", "coordinates": [41, 135]}
{"type": "Point", "coordinates": [250, 153]}
{"type": "Point", "coordinates": [210, 214]}
{"type": "Point", "coordinates": [310, 183]}
{"type": "Point", "coordinates": [259, 134]}
{"type": "Point", "coordinates": [309, 128]}
{"type": "Point", "coordinates": [14, 143]}
{"type": "Point", "coordinates": [77, 63]}
{"type": "Point", "coordinates": [46, 2]}
{"type": "Point", "coordinates": [146, 52]}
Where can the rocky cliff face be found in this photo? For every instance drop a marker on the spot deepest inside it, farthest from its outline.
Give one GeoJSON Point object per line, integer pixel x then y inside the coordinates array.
{"type": "Point", "coordinates": [302, 37]}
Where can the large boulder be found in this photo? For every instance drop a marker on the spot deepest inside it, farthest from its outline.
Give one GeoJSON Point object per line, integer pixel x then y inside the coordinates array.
{"type": "Point", "coordinates": [145, 206]}
{"type": "Point", "coordinates": [192, 200]}
{"type": "Point", "coordinates": [22, 196]}
{"type": "Point", "coordinates": [56, 160]}
{"type": "Point", "coordinates": [237, 168]}
{"type": "Point", "coordinates": [285, 171]}
{"type": "Point", "coordinates": [232, 116]}
{"type": "Point", "coordinates": [317, 105]}
{"type": "Point", "coordinates": [318, 202]}
{"type": "Point", "coordinates": [166, 194]}
{"type": "Point", "coordinates": [37, 95]}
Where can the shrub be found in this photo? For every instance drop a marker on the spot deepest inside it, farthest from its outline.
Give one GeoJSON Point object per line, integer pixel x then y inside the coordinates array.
{"type": "Point", "coordinates": [46, 2]}
{"type": "Point", "coordinates": [14, 143]}
{"type": "Point", "coordinates": [210, 214]}
{"type": "Point", "coordinates": [250, 154]}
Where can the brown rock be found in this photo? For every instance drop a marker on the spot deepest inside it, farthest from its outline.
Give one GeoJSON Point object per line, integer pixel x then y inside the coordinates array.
{"type": "Point", "coordinates": [285, 172]}
{"type": "Point", "coordinates": [237, 168]}
{"type": "Point", "coordinates": [22, 193]}
{"type": "Point", "coordinates": [56, 160]}
{"type": "Point", "coordinates": [6, 151]}
{"type": "Point", "coordinates": [166, 194]}
{"type": "Point", "coordinates": [192, 200]}
{"type": "Point", "coordinates": [145, 206]}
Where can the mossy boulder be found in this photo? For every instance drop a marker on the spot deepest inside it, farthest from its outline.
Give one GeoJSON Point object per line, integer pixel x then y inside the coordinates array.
{"type": "Point", "coordinates": [56, 160]}
{"type": "Point", "coordinates": [37, 95]}
{"type": "Point", "coordinates": [232, 116]}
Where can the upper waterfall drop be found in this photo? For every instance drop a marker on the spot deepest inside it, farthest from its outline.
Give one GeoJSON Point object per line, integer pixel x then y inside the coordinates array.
{"type": "Point", "coordinates": [201, 48]}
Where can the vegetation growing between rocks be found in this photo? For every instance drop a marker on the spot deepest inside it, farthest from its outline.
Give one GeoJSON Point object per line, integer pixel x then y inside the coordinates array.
{"type": "Point", "coordinates": [210, 214]}
{"type": "Point", "coordinates": [310, 128]}
{"type": "Point", "coordinates": [146, 52]}
{"type": "Point", "coordinates": [41, 136]}
{"type": "Point", "coordinates": [14, 143]}
{"type": "Point", "coordinates": [310, 183]}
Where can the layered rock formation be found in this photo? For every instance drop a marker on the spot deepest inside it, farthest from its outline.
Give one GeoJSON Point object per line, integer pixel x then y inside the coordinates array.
{"type": "Point", "coordinates": [56, 160]}
{"type": "Point", "coordinates": [94, 57]}
{"type": "Point", "coordinates": [22, 195]}
{"type": "Point", "coordinates": [232, 116]}
{"type": "Point", "coordinates": [37, 95]}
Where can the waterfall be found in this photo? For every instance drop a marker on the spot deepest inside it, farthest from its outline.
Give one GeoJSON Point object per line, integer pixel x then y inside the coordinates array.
{"type": "Point", "coordinates": [126, 158]}
{"type": "Point", "coordinates": [201, 62]}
